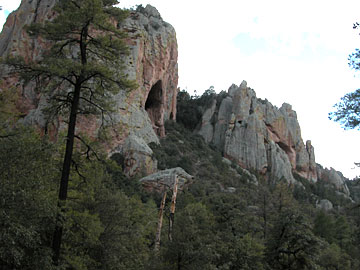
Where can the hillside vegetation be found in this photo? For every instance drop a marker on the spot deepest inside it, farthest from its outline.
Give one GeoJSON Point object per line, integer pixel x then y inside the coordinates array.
{"type": "Point", "coordinates": [224, 218]}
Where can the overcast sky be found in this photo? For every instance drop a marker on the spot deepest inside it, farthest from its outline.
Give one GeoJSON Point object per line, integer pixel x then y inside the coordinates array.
{"type": "Point", "coordinates": [287, 51]}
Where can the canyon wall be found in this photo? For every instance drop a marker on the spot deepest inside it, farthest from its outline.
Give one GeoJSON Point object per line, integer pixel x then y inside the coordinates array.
{"type": "Point", "coordinates": [139, 114]}
{"type": "Point", "coordinates": [259, 136]}
{"type": "Point", "coordinates": [247, 130]}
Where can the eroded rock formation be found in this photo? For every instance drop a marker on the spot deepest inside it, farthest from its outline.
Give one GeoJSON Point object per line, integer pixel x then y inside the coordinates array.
{"type": "Point", "coordinates": [152, 62]}
{"type": "Point", "coordinates": [250, 131]}
{"type": "Point", "coordinates": [258, 135]}
{"type": "Point", "coordinates": [163, 180]}
{"type": "Point", "coordinates": [334, 179]}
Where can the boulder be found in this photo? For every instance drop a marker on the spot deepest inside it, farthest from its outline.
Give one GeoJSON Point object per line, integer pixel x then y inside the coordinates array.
{"type": "Point", "coordinates": [163, 180]}
{"type": "Point", "coordinates": [324, 204]}
{"type": "Point", "coordinates": [138, 158]}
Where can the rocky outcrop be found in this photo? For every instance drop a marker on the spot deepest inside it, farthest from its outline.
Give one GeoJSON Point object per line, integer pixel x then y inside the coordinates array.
{"type": "Point", "coordinates": [138, 157]}
{"type": "Point", "coordinates": [14, 40]}
{"type": "Point", "coordinates": [334, 179]}
{"type": "Point", "coordinates": [324, 205]}
{"type": "Point", "coordinates": [258, 135]}
{"type": "Point", "coordinates": [152, 63]}
{"type": "Point", "coordinates": [354, 187]}
{"type": "Point", "coordinates": [164, 180]}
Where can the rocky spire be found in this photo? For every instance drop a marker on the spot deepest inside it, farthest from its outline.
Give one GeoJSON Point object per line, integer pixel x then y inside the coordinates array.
{"type": "Point", "coordinates": [257, 135]}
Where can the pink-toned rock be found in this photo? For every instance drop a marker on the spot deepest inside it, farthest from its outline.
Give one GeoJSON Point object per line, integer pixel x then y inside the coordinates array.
{"type": "Point", "coordinates": [152, 62]}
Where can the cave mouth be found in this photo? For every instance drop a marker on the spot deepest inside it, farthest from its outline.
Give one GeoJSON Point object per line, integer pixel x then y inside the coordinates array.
{"type": "Point", "coordinates": [154, 107]}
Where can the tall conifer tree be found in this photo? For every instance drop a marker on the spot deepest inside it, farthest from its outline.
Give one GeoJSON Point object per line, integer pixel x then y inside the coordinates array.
{"type": "Point", "coordinates": [80, 72]}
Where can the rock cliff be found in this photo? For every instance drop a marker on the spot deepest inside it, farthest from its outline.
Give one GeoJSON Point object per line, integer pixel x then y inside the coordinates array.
{"type": "Point", "coordinates": [257, 135]}
{"type": "Point", "coordinates": [247, 130]}
{"type": "Point", "coordinates": [333, 178]}
{"type": "Point", "coordinates": [152, 62]}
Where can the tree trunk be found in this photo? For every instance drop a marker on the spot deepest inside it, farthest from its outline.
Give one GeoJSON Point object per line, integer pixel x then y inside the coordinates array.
{"type": "Point", "coordinates": [172, 207]}
{"type": "Point", "coordinates": [56, 244]}
{"type": "Point", "coordinates": [160, 220]}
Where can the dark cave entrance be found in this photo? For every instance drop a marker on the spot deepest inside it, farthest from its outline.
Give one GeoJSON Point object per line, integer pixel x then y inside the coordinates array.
{"type": "Point", "coordinates": [154, 107]}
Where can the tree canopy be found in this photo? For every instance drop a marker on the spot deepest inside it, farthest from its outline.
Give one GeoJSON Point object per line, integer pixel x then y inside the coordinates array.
{"type": "Point", "coordinates": [80, 72]}
{"type": "Point", "coordinates": [347, 111]}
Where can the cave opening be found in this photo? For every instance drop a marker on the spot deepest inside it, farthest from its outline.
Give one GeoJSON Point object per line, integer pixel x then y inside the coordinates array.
{"type": "Point", "coordinates": [154, 107]}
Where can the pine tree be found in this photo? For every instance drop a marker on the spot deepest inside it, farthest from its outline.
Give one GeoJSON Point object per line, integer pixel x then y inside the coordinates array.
{"type": "Point", "coordinates": [347, 111]}
{"type": "Point", "coordinates": [79, 73]}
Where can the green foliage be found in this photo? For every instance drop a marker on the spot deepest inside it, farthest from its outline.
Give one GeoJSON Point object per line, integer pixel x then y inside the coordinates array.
{"type": "Point", "coordinates": [221, 222]}
{"type": "Point", "coordinates": [324, 226]}
{"type": "Point", "coordinates": [248, 253]}
{"type": "Point", "coordinates": [110, 222]}
{"type": "Point", "coordinates": [332, 257]}
{"type": "Point", "coordinates": [175, 149]}
{"type": "Point", "coordinates": [86, 54]}
{"type": "Point", "coordinates": [191, 108]}
{"type": "Point", "coordinates": [27, 204]}
{"type": "Point", "coordinates": [347, 111]}
{"type": "Point", "coordinates": [193, 239]}
{"type": "Point", "coordinates": [103, 227]}
{"type": "Point", "coordinates": [238, 238]}
{"type": "Point", "coordinates": [79, 74]}
{"type": "Point", "coordinates": [8, 112]}
{"type": "Point", "coordinates": [188, 113]}
{"type": "Point", "coordinates": [82, 225]}
{"type": "Point", "coordinates": [319, 190]}
{"type": "Point", "coordinates": [129, 230]}
{"type": "Point", "coordinates": [292, 245]}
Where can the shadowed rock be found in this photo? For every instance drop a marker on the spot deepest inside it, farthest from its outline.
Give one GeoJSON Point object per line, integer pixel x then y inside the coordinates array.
{"type": "Point", "coordinates": [163, 180]}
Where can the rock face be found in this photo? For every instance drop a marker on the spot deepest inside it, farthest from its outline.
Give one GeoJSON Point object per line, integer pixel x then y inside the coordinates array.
{"type": "Point", "coordinates": [252, 132]}
{"type": "Point", "coordinates": [334, 179]}
{"type": "Point", "coordinates": [258, 135]}
{"type": "Point", "coordinates": [163, 180]}
{"type": "Point", "coordinates": [14, 40]}
{"type": "Point", "coordinates": [138, 157]}
{"type": "Point", "coordinates": [152, 62]}
{"type": "Point", "coordinates": [325, 205]}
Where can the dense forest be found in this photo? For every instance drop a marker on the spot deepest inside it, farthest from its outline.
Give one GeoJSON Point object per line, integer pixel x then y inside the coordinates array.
{"type": "Point", "coordinates": [224, 220]}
